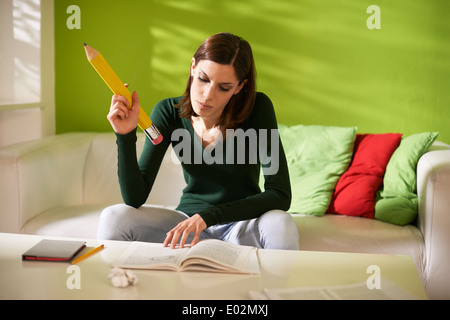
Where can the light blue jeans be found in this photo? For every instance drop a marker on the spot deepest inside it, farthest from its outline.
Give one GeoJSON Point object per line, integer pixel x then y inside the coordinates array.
{"type": "Point", "coordinates": [274, 229]}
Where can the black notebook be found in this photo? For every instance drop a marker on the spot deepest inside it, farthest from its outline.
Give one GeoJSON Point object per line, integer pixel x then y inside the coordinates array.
{"type": "Point", "coordinates": [54, 250]}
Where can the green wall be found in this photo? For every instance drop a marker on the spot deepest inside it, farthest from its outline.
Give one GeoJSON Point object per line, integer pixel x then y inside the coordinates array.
{"type": "Point", "coordinates": [316, 59]}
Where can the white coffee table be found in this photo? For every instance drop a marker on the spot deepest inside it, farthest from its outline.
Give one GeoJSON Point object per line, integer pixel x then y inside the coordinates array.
{"type": "Point", "coordinates": [279, 269]}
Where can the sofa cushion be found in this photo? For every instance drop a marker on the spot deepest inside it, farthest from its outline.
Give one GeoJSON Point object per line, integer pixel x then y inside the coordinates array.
{"type": "Point", "coordinates": [79, 221]}
{"type": "Point", "coordinates": [339, 233]}
{"type": "Point", "coordinates": [317, 156]}
{"type": "Point", "coordinates": [355, 191]}
{"type": "Point", "coordinates": [398, 202]}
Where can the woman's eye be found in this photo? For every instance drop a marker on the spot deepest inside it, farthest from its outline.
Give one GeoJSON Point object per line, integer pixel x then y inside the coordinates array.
{"type": "Point", "coordinates": [207, 81]}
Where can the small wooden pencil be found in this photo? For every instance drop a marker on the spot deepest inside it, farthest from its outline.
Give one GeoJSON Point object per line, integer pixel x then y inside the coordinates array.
{"type": "Point", "coordinates": [88, 254]}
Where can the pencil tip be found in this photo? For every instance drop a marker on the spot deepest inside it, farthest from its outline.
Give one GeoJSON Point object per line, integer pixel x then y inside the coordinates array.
{"type": "Point", "coordinates": [85, 44]}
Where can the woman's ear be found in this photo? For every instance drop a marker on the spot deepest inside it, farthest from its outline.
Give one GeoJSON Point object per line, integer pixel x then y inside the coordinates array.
{"type": "Point", "coordinates": [239, 88]}
{"type": "Point", "coordinates": [192, 66]}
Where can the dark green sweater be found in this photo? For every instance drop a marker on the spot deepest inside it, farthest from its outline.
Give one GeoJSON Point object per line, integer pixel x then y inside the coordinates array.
{"type": "Point", "coordinates": [219, 192]}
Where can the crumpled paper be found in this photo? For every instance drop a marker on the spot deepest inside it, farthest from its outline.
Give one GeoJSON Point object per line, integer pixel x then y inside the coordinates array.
{"type": "Point", "coordinates": [122, 278]}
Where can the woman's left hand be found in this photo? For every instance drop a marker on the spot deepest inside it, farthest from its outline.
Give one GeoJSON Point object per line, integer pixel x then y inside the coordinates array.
{"type": "Point", "coordinates": [194, 224]}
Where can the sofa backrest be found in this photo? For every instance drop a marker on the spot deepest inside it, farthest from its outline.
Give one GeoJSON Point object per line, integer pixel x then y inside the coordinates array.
{"type": "Point", "coordinates": [39, 175]}
{"type": "Point", "coordinates": [100, 182]}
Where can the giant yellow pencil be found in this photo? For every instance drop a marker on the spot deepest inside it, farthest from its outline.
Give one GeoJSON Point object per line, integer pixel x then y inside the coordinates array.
{"type": "Point", "coordinates": [117, 87]}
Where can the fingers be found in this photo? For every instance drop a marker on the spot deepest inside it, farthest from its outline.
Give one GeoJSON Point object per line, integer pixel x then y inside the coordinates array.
{"type": "Point", "coordinates": [118, 99]}
{"type": "Point", "coordinates": [174, 235]}
{"type": "Point", "coordinates": [120, 107]}
{"type": "Point", "coordinates": [135, 105]}
{"type": "Point", "coordinates": [184, 238]}
{"type": "Point", "coordinates": [117, 113]}
{"type": "Point", "coordinates": [135, 99]}
{"type": "Point", "coordinates": [170, 237]}
{"type": "Point", "coordinates": [122, 116]}
{"type": "Point", "coordinates": [181, 232]}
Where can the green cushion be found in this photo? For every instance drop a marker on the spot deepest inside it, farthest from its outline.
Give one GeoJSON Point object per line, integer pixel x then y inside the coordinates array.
{"type": "Point", "coordinates": [317, 156]}
{"type": "Point", "coordinates": [397, 201]}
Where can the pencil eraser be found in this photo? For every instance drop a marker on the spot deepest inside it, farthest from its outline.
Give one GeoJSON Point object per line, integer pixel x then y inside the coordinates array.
{"type": "Point", "coordinates": [157, 140]}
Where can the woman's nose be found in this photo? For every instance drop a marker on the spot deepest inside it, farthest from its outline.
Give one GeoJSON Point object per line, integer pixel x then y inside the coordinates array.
{"type": "Point", "coordinates": [208, 92]}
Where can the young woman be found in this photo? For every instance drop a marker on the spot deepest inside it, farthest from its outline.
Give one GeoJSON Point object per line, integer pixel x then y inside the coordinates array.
{"type": "Point", "coordinates": [222, 199]}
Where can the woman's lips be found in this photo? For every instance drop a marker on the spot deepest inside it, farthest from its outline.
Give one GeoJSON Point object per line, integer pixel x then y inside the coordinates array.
{"type": "Point", "coordinates": [204, 106]}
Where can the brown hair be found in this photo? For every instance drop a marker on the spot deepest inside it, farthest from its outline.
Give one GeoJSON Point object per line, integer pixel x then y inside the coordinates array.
{"type": "Point", "coordinates": [227, 49]}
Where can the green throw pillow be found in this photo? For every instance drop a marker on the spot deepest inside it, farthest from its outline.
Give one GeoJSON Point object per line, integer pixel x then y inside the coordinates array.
{"type": "Point", "coordinates": [317, 156]}
{"type": "Point", "coordinates": [397, 201]}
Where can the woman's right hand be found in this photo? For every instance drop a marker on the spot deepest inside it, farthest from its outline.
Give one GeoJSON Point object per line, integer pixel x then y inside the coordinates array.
{"type": "Point", "coordinates": [122, 119]}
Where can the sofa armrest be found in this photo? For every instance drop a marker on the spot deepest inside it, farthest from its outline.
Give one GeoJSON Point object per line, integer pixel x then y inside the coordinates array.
{"type": "Point", "coordinates": [433, 189]}
{"type": "Point", "coordinates": [39, 175]}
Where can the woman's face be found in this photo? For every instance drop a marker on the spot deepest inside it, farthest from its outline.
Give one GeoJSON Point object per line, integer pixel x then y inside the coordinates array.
{"type": "Point", "coordinates": [213, 85]}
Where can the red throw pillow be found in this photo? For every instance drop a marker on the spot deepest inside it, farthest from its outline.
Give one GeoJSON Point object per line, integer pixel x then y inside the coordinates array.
{"type": "Point", "coordinates": [355, 191]}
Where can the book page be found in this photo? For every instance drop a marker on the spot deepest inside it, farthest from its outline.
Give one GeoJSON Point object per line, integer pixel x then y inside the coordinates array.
{"type": "Point", "coordinates": [208, 255]}
{"type": "Point", "coordinates": [140, 255]}
{"type": "Point", "coordinates": [236, 257]}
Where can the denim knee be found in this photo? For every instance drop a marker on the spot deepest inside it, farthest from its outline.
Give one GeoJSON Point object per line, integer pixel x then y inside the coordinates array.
{"type": "Point", "coordinates": [278, 230]}
{"type": "Point", "coordinates": [111, 219]}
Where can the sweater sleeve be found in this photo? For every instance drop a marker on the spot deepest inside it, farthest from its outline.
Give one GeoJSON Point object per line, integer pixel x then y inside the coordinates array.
{"type": "Point", "coordinates": [277, 188]}
{"type": "Point", "coordinates": [136, 178]}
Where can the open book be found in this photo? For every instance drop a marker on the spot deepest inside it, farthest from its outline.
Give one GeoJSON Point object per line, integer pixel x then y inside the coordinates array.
{"type": "Point", "coordinates": [207, 255]}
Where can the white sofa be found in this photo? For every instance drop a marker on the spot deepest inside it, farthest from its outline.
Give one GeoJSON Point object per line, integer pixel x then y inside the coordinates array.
{"type": "Point", "coordinates": [59, 185]}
